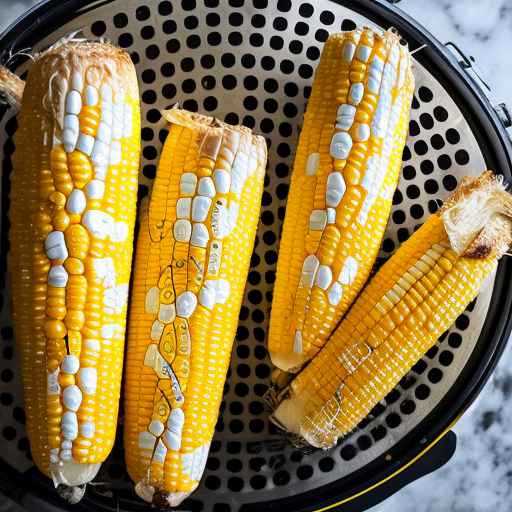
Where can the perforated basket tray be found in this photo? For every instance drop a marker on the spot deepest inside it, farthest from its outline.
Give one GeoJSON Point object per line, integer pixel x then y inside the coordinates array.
{"type": "Point", "coordinates": [252, 62]}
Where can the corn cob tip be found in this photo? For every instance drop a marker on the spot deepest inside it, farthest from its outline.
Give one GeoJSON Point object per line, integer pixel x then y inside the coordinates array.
{"type": "Point", "coordinates": [71, 495]}
{"type": "Point", "coordinates": [288, 362]}
{"type": "Point", "coordinates": [193, 120]}
{"type": "Point", "coordinates": [160, 499]}
{"type": "Point", "coordinates": [72, 474]}
{"type": "Point", "coordinates": [11, 88]}
{"type": "Point", "coordinates": [478, 217]}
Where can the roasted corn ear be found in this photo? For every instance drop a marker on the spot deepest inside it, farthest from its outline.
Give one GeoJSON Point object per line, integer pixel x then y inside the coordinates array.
{"type": "Point", "coordinates": [192, 259]}
{"type": "Point", "coordinates": [345, 173]}
{"type": "Point", "coordinates": [72, 213]}
{"type": "Point", "coordinates": [401, 313]}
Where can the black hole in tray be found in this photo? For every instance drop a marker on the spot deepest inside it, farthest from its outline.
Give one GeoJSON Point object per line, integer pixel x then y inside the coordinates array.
{"type": "Point", "coordinates": [378, 432]}
{"type": "Point", "coordinates": [452, 136]}
{"type": "Point", "coordinates": [462, 157]}
{"type": "Point", "coordinates": [281, 478]}
{"type": "Point", "coordinates": [422, 392]}
{"type": "Point", "coordinates": [304, 472]}
{"type": "Point", "coordinates": [454, 340]}
{"type": "Point", "coordinates": [427, 167]}
{"type": "Point", "coordinates": [407, 407]}
{"type": "Point", "coordinates": [435, 375]}
{"type": "Point", "coordinates": [440, 113]}
{"type": "Point", "coordinates": [426, 121]}
{"type": "Point", "coordinates": [258, 482]}
{"type": "Point", "coordinates": [449, 183]}
{"type": "Point", "coordinates": [436, 141]}
{"type": "Point", "coordinates": [425, 94]}
{"type": "Point", "coordinates": [364, 442]}
{"type": "Point", "coordinates": [446, 358]}
{"type": "Point", "coordinates": [235, 484]}
{"type": "Point", "coordinates": [393, 420]}
{"type": "Point", "coordinates": [414, 128]}
{"type": "Point", "coordinates": [347, 24]}
{"type": "Point", "coordinates": [408, 172]}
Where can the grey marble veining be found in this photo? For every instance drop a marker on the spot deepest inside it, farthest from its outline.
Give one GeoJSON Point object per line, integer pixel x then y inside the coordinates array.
{"type": "Point", "coordinates": [479, 477]}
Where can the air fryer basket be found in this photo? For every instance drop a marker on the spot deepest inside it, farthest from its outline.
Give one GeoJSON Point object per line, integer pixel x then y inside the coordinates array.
{"type": "Point", "coordinates": [252, 61]}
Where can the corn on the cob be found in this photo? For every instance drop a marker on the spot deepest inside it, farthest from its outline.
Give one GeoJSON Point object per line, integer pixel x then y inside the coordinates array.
{"type": "Point", "coordinates": [409, 303]}
{"type": "Point", "coordinates": [345, 173]}
{"type": "Point", "coordinates": [192, 259]}
{"type": "Point", "coordinates": [72, 213]}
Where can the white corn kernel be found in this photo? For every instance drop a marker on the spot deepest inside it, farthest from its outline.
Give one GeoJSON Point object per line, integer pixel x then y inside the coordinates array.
{"type": "Point", "coordinates": [91, 96]}
{"type": "Point", "coordinates": [335, 189]}
{"type": "Point", "coordinates": [200, 235]}
{"type": "Point", "coordinates": [186, 303]}
{"type": "Point", "coordinates": [207, 296]}
{"type": "Point", "coordinates": [349, 271]}
{"type": "Point", "coordinates": [222, 180]}
{"type": "Point", "coordinates": [206, 187]}
{"type": "Point", "coordinates": [76, 202]}
{"type": "Point", "coordinates": [87, 429]}
{"type": "Point", "coordinates": [323, 277]}
{"type": "Point", "coordinates": [345, 116]}
{"type": "Point", "coordinates": [57, 276]}
{"type": "Point", "coordinates": [152, 300]}
{"type": "Point", "coordinates": [317, 220]}
{"type": "Point", "coordinates": [309, 270]}
{"type": "Point", "coordinates": [167, 313]}
{"type": "Point", "coordinates": [157, 328]}
{"type": "Point", "coordinates": [98, 223]}
{"type": "Point", "coordinates": [85, 143]}
{"type": "Point", "coordinates": [188, 183]}
{"type": "Point", "coordinates": [361, 132]}
{"type": "Point", "coordinates": [73, 102]}
{"type": "Point", "coordinates": [341, 144]}
{"type": "Point", "coordinates": [348, 51]}
{"type": "Point", "coordinates": [312, 164]}
{"type": "Point", "coordinates": [355, 93]}
{"type": "Point", "coordinates": [55, 246]}
{"type": "Point", "coordinates": [156, 428]}
{"type": "Point", "coordinates": [72, 397]}
{"type": "Point", "coordinates": [335, 294]}
{"type": "Point", "coordinates": [70, 364]}
{"type": "Point", "coordinates": [182, 230]}
{"type": "Point", "coordinates": [95, 189]}
{"type": "Point", "coordinates": [88, 380]}
{"type": "Point", "coordinates": [364, 52]}
{"type": "Point", "coordinates": [183, 206]}
{"type": "Point", "coordinates": [200, 207]}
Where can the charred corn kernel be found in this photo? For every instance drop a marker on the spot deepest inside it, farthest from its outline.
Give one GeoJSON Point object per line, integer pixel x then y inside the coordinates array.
{"type": "Point", "coordinates": [193, 252]}
{"type": "Point", "coordinates": [355, 370]}
{"type": "Point", "coordinates": [80, 116]}
{"type": "Point", "coordinates": [345, 172]}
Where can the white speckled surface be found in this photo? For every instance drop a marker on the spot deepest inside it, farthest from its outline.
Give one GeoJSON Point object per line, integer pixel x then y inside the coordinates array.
{"type": "Point", "coordinates": [479, 477]}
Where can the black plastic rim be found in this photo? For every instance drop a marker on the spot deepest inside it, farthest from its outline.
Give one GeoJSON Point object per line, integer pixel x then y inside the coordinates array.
{"type": "Point", "coordinates": [496, 147]}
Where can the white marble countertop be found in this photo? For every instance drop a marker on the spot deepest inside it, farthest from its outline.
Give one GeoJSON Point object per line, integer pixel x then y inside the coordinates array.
{"type": "Point", "coordinates": [479, 477]}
